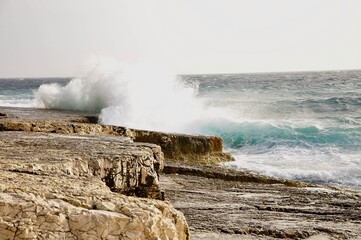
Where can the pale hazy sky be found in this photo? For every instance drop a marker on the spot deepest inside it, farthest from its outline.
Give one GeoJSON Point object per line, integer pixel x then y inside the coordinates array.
{"type": "Point", "coordinates": [53, 38]}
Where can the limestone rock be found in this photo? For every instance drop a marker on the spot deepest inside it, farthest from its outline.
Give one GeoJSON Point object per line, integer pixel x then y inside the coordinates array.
{"type": "Point", "coordinates": [56, 186]}
{"type": "Point", "coordinates": [188, 148]}
{"type": "Point", "coordinates": [54, 207]}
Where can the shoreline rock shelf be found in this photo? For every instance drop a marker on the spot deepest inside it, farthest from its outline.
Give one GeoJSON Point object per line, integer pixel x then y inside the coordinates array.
{"type": "Point", "coordinates": [63, 176]}
{"type": "Point", "coordinates": [187, 148]}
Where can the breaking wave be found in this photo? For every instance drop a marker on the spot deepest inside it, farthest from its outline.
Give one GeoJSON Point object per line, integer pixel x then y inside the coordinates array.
{"type": "Point", "coordinates": [308, 151]}
{"type": "Point", "coordinates": [141, 96]}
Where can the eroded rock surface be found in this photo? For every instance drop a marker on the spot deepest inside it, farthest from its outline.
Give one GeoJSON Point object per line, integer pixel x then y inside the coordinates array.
{"type": "Point", "coordinates": [64, 207]}
{"type": "Point", "coordinates": [55, 186]}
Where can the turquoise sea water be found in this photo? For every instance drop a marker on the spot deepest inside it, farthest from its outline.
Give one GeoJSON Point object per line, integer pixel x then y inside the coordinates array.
{"type": "Point", "coordinates": [304, 126]}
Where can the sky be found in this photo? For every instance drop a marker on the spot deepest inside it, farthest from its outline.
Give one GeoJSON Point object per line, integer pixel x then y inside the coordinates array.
{"type": "Point", "coordinates": [52, 38]}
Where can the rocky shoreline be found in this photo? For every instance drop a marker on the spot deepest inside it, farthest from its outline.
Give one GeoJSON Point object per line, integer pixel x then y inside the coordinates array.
{"type": "Point", "coordinates": [63, 176]}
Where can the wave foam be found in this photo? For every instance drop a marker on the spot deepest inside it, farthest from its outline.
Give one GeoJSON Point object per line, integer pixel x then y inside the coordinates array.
{"type": "Point", "coordinates": [15, 102]}
{"type": "Point", "coordinates": [322, 166]}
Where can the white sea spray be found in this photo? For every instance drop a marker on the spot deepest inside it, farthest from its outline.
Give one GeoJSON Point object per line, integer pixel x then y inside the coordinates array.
{"type": "Point", "coordinates": [138, 96]}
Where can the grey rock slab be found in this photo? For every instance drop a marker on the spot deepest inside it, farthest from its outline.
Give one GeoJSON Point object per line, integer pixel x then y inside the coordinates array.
{"type": "Point", "coordinates": [224, 209]}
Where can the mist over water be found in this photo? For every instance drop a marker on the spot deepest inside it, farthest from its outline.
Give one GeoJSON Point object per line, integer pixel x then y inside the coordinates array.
{"type": "Point", "coordinates": [303, 126]}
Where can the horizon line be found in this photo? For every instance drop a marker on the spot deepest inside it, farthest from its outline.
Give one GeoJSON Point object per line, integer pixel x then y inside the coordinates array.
{"type": "Point", "coordinates": [267, 72]}
{"type": "Point", "coordinates": [219, 73]}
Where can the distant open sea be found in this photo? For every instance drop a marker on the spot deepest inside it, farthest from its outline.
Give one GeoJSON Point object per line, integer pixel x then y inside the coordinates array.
{"type": "Point", "coordinates": [302, 125]}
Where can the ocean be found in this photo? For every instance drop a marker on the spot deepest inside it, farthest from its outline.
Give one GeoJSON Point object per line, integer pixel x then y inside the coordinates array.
{"type": "Point", "coordinates": [301, 125]}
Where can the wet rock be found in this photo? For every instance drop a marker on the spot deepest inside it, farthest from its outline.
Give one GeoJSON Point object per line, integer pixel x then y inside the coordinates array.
{"type": "Point", "coordinates": [228, 174]}
{"type": "Point", "coordinates": [218, 207]}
